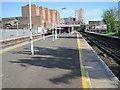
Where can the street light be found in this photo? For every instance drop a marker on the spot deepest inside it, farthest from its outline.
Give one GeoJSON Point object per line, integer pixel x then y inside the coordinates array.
{"type": "Point", "coordinates": [69, 29]}
{"type": "Point", "coordinates": [53, 32]}
{"type": "Point", "coordinates": [43, 30]}
{"type": "Point", "coordinates": [63, 9]}
{"type": "Point", "coordinates": [54, 29]}
{"type": "Point", "coordinates": [31, 38]}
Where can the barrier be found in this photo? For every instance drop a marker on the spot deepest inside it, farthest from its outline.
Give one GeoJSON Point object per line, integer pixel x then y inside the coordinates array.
{"type": "Point", "coordinates": [17, 40]}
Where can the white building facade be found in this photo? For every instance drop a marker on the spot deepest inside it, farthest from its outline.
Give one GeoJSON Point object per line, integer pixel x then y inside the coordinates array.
{"type": "Point", "coordinates": [79, 15]}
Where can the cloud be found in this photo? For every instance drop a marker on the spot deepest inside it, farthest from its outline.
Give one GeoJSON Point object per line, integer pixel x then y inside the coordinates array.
{"type": "Point", "coordinates": [93, 15]}
{"type": "Point", "coordinates": [91, 12]}
{"type": "Point", "coordinates": [67, 13]}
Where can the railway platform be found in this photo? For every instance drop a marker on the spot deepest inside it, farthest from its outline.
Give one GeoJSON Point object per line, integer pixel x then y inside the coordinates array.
{"type": "Point", "coordinates": [96, 71]}
{"type": "Point", "coordinates": [68, 62]}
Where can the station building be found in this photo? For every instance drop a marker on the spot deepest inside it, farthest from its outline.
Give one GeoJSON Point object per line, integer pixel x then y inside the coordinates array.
{"type": "Point", "coordinates": [66, 20]}
{"type": "Point", "coordinates": [97, 26]}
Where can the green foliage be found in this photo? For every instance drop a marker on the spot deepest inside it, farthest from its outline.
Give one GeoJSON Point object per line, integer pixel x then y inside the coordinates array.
{"type": "Point", "coordinates": [110, 17]}
{"type": "Point", "coordinates": [110, 33]}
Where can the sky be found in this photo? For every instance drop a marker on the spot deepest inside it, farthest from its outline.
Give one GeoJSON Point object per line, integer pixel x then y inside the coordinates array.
{"type": "Point", "coordinates": [92, 10]}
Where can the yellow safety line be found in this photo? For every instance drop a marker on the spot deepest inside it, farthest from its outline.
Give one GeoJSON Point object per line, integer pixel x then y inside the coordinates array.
{"type": "Point", "coordinates": [84, 80]}
{"type": "Point", "coordinates": [21, 45]}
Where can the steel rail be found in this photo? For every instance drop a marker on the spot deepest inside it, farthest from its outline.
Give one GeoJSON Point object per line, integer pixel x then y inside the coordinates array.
{"type": "Point", "coordinates": [115, 53]}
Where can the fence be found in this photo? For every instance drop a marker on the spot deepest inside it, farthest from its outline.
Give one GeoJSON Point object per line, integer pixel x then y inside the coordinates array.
{"type": "Point", "coordinates": [10, 33]}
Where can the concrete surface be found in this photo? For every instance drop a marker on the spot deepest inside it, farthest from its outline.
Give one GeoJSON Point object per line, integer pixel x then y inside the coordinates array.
{"type": "Point", "coordinates": [54, 65]}
{"type": "Point", "coordinates": [98, 75]}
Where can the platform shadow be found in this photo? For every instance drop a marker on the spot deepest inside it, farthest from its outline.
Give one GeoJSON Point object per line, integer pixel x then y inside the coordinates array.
{"type": "Point", "coordinates": [61, 58]}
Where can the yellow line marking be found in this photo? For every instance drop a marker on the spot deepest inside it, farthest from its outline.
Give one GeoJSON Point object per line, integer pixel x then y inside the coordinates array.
{"type": "Point", "coordinates": [84, 80]}
{"type": "Point", "coordinates": [2, 52]}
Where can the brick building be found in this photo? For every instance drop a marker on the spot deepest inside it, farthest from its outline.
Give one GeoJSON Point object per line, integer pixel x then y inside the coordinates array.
{"type": "Point", "coordinates": [40, 17]}
{"type": "Point", "coordinates": [22, 22]}
{"type": "Point", "coordinates": [49, 15]}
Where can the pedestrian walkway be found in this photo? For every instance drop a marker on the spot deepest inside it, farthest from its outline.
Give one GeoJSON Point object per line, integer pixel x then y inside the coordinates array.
{"type": "Point", "coordinates": [68, 62]}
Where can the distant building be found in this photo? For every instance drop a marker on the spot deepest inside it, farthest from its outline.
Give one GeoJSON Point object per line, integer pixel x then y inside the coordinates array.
{"type": "Point", "coordinates": [97, 25]}
{"type": "Point", "coordinates": [66, 20]}
{"type": "Point", "coordinates": [75, 23]}
{"type": "Point", "coordinates": [79, 15]}
{"type": "Point", "coordinates": [94, 23]}
{"type": "Point", "coordinates": [50, 15]}
{"type": "Point", "coordinates": [40, 17]}
{"type": "Point", "coordinates": [23, 22]}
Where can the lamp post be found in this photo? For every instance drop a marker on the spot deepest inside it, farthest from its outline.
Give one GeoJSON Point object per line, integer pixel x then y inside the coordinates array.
{"type": "Point", "coordinates": [63, 9]}
{"type": "Point", "coordinates": [53, 32]}
{"type": "Point", "coordinates": [69, 29]}
{"type": "Point", "coordinates": [54, 29]}
{"type": "Point", "coordinates": [31, 38]}
{"type": "Point", "coordinates": [43, 30]}
{"type": "Point", "coordinates": [59, 30]}
{"type": "Point", "coordinates": [17, 28]}
{"type": "Point", "coordinates": [17, 24]}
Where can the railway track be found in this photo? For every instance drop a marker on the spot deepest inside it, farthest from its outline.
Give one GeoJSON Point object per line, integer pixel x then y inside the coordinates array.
{"type": "Point", "coordinates": [106, 44]}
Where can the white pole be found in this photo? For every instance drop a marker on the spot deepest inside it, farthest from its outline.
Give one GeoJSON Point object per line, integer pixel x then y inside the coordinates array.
{"type": "Point", "coordinates": [17, 28]}
{"type": "Point", "coordinates": [59, 30]}
{"type": "Point", "coordinates": [31, 38]}
{"type": "Point", "coordinates": [43, 30]}
{"type": "Point", "coordinates": [17, 25]}
{"type": "Point", "coordinates": [69, 31]}
{"type": "Point", "coordinates": [55, 33]}
{"type": "Point", "coordinates": [43, 34]}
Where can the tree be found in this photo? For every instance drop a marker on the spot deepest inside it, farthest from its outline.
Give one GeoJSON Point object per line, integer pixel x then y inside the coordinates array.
{"type": "Point", "coordinates": [119, 17]}
{"type": "Point", "coordinates": [110, 17]}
